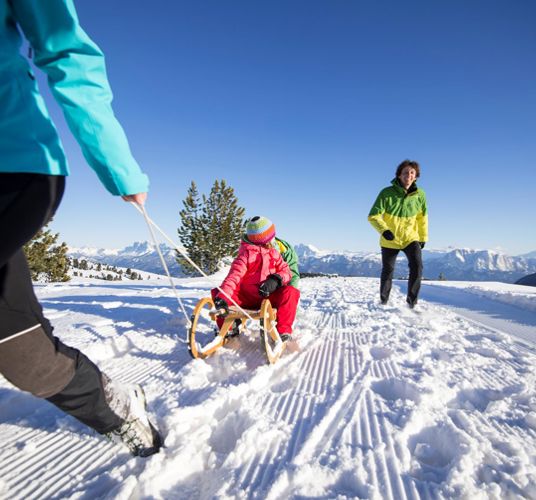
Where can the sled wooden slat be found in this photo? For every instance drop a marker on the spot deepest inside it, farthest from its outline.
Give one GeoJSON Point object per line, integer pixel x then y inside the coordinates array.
{"type": "Point", "coordinates": [270, 340]}
{"type": "Point", "coordinates": [235, 313]}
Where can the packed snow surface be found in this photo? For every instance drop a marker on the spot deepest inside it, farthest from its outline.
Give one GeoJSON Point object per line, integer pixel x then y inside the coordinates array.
{"type": "Point", "coordinates": [368, 401]}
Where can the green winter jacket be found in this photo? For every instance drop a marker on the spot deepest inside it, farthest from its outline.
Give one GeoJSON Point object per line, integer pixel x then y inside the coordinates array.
{"type": "Point", "coordinates": [77, 78]}
{"type": "Point", "coordinates": [291, 258]}
{"type": "Point", "coordinates": [404, 213]}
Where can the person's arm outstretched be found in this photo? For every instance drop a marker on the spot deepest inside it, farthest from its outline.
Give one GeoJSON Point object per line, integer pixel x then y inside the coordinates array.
{"type": "Point", "coordinates": [77, 78]}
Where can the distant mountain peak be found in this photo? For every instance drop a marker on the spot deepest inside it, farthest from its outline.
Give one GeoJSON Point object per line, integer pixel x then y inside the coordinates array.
{"type": "Point", "coordinates": [143, 247]}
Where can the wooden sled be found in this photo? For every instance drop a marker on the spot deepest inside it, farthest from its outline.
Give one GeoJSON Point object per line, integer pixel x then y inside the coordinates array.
{"type": "Point", "coordinates": [205, 340]}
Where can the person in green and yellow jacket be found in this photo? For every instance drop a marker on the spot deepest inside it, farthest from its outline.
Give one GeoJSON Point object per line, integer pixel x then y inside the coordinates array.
{"type": "Point", "coordinates": [33, 168]}
{"type": "Point", "coordinates": [400, 215]}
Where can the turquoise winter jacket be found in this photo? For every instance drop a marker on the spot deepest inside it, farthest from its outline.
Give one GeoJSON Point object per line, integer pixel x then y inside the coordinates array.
{"type": "Point", "coordinates": [77, 78]}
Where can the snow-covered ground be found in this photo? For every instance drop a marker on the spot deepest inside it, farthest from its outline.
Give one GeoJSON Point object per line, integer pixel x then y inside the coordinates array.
{"type": "Point", "coordinates": [370, 402]}
{"type": "Point", "coordinates": [499, 306]}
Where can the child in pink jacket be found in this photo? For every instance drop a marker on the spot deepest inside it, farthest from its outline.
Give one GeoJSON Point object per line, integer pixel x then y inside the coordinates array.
{"type": "Point", "coordinates": [258, 272]}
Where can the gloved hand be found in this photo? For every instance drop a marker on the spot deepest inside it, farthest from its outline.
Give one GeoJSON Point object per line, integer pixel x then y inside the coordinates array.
{"type": "Point", "coordinates": [221, 305]}
{"type": "Point", "coordinates": [388, 235]}
{"type": "Point", "coordinates": [270, 285]}
{"type": "Point", "coordinates": [422, 243]}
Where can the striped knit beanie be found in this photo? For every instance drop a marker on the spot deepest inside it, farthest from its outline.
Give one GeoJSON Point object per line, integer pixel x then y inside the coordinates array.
{"type": "Point", "coordinates": [260, 230]}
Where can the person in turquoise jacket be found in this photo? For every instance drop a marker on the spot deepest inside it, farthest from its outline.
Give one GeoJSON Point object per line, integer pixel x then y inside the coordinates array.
{"type": "Point", "coordinates": [76, 74]}
{"type": "Point", "coordinates": [33, 168]}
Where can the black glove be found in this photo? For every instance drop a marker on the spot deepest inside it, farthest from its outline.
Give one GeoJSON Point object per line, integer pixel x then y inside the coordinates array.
{"type": "Point", "coordinates": [220, 304]}
{"type": "Point", "coordinates": [388, 235]}
{"type": "Point", "coordinates": [270, 285]}
{"type": "Point", "coordinates": [422, 243]}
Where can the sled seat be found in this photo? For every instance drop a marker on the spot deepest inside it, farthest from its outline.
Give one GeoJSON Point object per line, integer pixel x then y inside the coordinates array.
{"type": "Point", "coordinates": [235, 313]}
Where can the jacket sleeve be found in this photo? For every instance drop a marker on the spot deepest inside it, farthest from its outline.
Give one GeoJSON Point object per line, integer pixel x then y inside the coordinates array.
{"type": "Point", "coordinates": [76, 73]}
{"type": "Point", "coordinates": [282, 268]}
{"type": "Point", "coordinates": [422, 220]}
{"type": "Point", "coordinates": [375, 216]}
{"type": "Point", "coordinates": [238, 269]}
{"type": "Point", "coordinates": [291, 258]}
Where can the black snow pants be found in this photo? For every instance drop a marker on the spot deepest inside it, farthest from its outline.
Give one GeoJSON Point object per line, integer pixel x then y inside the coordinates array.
{"type": "Point", "coordinates": [414, 255]}
{"type": "Point", "coordinates": [31, 357]}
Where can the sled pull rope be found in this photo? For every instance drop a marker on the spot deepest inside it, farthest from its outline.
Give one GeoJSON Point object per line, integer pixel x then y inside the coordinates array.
{"type": "Point", "coordinates": [151, 224]}
{"type": "Point", "coordinates": [141, 208]}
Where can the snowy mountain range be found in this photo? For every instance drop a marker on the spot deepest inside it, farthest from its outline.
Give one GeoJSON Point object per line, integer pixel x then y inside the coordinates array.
{"type": "Point", "coordinates": [453, 263]}
{"type": "Point", "coordinates": [458, 264]}
{"type": "Point", "coordinates": [139, 255]}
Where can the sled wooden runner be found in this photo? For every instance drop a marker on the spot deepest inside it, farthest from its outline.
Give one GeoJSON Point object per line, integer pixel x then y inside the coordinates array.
{"type": "Point", "coordinates": [203, 342]}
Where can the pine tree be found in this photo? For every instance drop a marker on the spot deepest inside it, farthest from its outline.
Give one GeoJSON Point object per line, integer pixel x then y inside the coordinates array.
{"type": "Point", "coordinates": [224, 220]}
{"type": "Point", "coordinates": [191, 232]}
{"type": "Point", "coordinates": [211, 229]}
{"type": "Point", "coordinates": [47, 259]}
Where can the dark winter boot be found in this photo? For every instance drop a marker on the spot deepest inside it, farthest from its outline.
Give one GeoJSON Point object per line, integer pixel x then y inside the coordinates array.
{"type": "Point", "coordinates": [285, 337]}
{"type": "Point", "coordinates": [235, 331]}
{"type": "Point", "coordinates": [136, 432]}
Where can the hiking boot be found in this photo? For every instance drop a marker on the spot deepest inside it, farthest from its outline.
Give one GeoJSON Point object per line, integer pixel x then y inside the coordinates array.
{"type": "Point", "coordinates": [235, 330]}
{"type": "Point", "coordinates": [136, 432]}
{"type": "Point", "coordinates": [285, 337]}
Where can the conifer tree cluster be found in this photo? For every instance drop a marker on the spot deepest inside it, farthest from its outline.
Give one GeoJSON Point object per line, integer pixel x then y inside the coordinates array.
{"type": "Point", "coordinates": [211, 227]}
{"type": "Point", "coordinates": [103, 271]}
{"type": "Point", "coordinates": [47, 260]}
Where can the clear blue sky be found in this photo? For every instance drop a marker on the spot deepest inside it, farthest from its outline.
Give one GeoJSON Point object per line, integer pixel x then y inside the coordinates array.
{"type": "Point", "coordinates": [307, 107]}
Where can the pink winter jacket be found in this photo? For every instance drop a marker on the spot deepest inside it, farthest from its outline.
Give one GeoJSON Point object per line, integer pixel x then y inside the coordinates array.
{"type": "Point", "coordinates": [252, 266]}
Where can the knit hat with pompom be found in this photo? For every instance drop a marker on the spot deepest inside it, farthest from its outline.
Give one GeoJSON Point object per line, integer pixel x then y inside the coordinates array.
{"type": "Point", "coordinates": [260, 230]}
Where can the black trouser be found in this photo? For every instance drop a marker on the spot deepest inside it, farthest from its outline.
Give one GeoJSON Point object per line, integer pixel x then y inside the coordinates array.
{"type": "Point", "coordinates": [414, 255]}
{"type": "Point", "coordinates": [30, 356]}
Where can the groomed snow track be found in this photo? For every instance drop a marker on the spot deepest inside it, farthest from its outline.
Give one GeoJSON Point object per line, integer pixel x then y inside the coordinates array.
{"type": "Point", "coordinates": [376, 402]}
